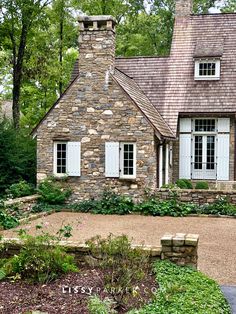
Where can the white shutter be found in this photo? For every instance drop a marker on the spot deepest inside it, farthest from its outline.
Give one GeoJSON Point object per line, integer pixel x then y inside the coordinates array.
{"type": "Point", "coordinates": [185, 156]}
{"type": "Point", "coordinates": [224, 125]}
{"type": "Point", "coordinates": [112, 164]}
{"type": "Point", "coordinates": [185, 125]}
{"type": "Point", "coordinates": [223, 157]}
{"type": "Point", "coordinates": [73, 159]}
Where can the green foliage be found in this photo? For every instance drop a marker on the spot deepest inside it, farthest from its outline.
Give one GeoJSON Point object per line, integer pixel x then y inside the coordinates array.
{"type": "Point", "coordinates": [220, 207]}
{"type": "Point", "coordinates": [7, 221]}
{"type": "Point", "coordinates": [109, 203]}
{"type": "Point", "coordinates": [184, 184]}
{"type": "Point", "coordinates": [123, 265]}
{"type": "Point", "coordinates": [156, 207]}
{"type": "Point", "coordinates": [52, 191]}
{"type": "Point", "coordinates": [20, 189]}
{"type": "Point", "coordinates": [202, 185]}
{"type": "Point", "coordinates": [98, 306]}
{"type": "Point", "coordinates": [185, 290]}
{"type": "Point", "coordinates": [40, 259]}
{"type": "Point", "coordinates": [17, 156]}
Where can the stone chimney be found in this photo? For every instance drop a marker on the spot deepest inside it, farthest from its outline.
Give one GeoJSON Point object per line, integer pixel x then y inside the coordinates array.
{"type": "Point", "coordinates": [183, 8]}
{"type": "Point", "coordinates": [96, 46]}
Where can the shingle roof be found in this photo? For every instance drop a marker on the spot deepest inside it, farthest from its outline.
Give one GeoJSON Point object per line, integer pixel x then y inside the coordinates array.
{"type": "Point", "coordinates": [143, 103]}
{"type": "Point", "coordinates": [169, 82]}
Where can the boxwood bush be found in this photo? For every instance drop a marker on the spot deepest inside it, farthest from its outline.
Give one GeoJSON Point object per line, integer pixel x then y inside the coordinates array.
{"type": "Point", "coordinates": [184, 184]}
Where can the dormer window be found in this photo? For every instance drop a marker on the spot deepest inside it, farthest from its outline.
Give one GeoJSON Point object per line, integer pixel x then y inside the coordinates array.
{"type": "Point", "coordinates": [207, 69]}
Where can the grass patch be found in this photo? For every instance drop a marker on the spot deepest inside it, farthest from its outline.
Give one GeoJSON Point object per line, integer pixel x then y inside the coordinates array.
{"type": "Point", "coordinates": [184, 290]}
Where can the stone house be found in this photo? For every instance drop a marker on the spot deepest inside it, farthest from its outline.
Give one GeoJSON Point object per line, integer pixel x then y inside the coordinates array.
{"type": "Point", "coordinates": [136, 123]}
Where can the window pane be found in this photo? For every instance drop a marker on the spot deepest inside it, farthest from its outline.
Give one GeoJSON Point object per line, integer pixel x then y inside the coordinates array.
{"type": "Point", "coordinates": [198, 145]}
{"type": "Point", "coordinates": [205, 125]}
{"type": "Point", "coordinates": [61, 157]}
{"type": "Point", "coordinates": [128, 159]}
{"type": "Point", "coordinates": [207, 69]}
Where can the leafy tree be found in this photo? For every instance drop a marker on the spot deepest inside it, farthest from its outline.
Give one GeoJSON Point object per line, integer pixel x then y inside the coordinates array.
{"type": "Point", "coordinates": [17, 18]}
{"type": "Point", "coordinates": [17, 156]}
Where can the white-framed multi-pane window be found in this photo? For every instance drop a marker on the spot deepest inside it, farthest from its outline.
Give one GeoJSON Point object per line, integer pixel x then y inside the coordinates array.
{"type": "Point", "coordinates": [207, 69]}
{"type": "Point", "coordinates": [204, 148]}
{"type": "Point", "coordinates": [66, 160]}
{"type": "Point", "coordinates": [120, 160]}
{"type": "Point", "coordinates": [60, 158]}
{"type": "Point", "coordinates": [128, 160]}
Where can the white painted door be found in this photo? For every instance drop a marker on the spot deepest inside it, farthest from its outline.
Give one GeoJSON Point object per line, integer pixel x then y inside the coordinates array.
{"type": "Point", "coordinates": [204, 157]}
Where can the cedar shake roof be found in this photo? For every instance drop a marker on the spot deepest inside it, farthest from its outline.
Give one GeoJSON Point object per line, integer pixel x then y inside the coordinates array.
{"type": "Point", "coordinates": [169, 82]}
{"type": "Point", "coordinates": [143, 103]}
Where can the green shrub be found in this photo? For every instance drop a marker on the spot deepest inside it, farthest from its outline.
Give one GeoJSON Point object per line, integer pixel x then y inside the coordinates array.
{"type": "Point", "coordinates": [202, 185]}
{"type": "Point", "coordinates": [185, 290]}
{"type": "Point", "coordinates": [184, 184]}
{"type": "Point", "coordinates": [40, 260]}
{"type": "Point", "coordinates": [98, 306]}
{"type": "Point", "coordinates": [20, 189]}
{"type": "Point", "coordinates": [220, 207]}
{"type": "Point", "coordinates": [53, 192]}
{"type": "Point", "coordinates": [7, 221]}
{"type": "Point", "coordinates": [172, 207]}
{"type": "Point", "coordinates": [85, 206]}
{"type": "Point", "coordinates": [123, 265]}
{"type": "Point", "coordinates": [108, 203]}
{"type": "Point", "coordinates": [112, 203]}
{"type": "Point", "coordinates": [17, 156]}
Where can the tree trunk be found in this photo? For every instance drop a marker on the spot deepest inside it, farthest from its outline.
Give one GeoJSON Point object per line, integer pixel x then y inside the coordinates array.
{"type": "Point", "coordinates": [17, 76]}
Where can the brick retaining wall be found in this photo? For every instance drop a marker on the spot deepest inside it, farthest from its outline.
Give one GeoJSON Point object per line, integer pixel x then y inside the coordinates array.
{"type": "Point", "coordinates": [179, 248]}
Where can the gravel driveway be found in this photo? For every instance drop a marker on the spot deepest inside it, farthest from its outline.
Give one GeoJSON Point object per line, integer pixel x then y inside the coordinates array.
{"type": "Point", "coordinates": [217, 246]}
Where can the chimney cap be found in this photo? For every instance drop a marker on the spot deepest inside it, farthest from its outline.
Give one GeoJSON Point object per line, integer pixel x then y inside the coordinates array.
{"type": "Point", "coordinates": [96, 18]}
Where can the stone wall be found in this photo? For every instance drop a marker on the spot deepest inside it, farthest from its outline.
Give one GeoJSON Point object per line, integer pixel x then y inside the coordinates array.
{"type": "Point", "coordinates": [179, 248]}
{"type": "Point", "coordinates": [24, 204]}
{"type": "Point", "coordinates": [95, 110]}
{"type": "Point", "coordinates": [199, 197]}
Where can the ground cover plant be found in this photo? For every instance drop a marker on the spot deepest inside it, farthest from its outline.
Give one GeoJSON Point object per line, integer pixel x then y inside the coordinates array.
{"type": "Point", "coordinates": [185, 290]}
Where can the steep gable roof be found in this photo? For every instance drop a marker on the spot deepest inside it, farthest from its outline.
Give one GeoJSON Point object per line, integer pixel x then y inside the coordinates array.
{"type": "Point", "coordinates": [169, 82]}
{"type": "Point", "coordinates": [143, 103]}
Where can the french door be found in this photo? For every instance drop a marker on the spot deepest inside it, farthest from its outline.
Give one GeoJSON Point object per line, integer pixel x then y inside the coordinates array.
{"type": "Point", "coordinates": [204, 157]}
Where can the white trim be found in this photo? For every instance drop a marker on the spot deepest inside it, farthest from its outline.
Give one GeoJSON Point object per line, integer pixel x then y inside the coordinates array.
{"type": "Point", "coordinates": [198, 77]}
{"type": "Point", "coordinates": [122, 175]}
{"type": "Point", "coordinates": [160, 166]}
{"type": "Point", "coordinates": [55, 158]}
{"type": "Point", "coordinates": [167, 165]}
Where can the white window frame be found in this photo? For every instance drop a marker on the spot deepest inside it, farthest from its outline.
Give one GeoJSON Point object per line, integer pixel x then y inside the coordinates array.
{"type": "Point", "coordinates": [199, 77]}
{"type": "Point", "coordinates": [122, 175]}
{"type": "Point", "coordinates": [55, 158]}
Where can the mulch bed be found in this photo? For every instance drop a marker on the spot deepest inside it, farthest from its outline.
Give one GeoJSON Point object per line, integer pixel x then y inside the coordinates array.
{"type": "Point", "coordinates": [68, 294]}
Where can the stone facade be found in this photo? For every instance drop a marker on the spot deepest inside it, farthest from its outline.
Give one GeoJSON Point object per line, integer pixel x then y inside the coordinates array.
{"type": "Point", "coordinates": [95, 110]}
{"type": "Point", "coordinates": [179, 248]}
